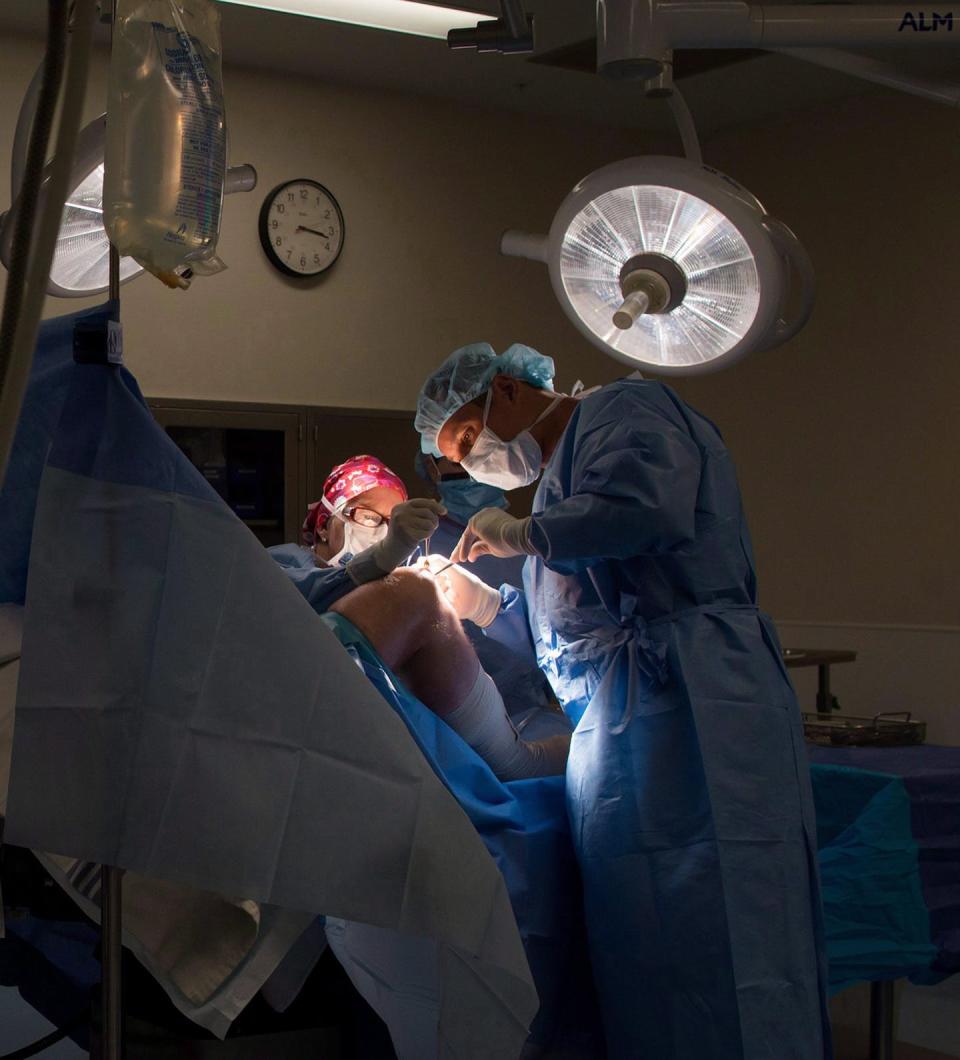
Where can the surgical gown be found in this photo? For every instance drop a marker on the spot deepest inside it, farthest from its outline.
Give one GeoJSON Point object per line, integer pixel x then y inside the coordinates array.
{"type": "Point", "coordinates": [320, 586]}
{"type": "Point", "coordinates": [687, 785]}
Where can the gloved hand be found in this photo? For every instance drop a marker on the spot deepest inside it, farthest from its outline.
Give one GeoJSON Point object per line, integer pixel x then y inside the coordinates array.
{"type": "Point", "coordinates": [492, 532]}
{"type": "Point", "coordinates": [410, 522]}
{"type": "Point", "coordinates": [472, 599]}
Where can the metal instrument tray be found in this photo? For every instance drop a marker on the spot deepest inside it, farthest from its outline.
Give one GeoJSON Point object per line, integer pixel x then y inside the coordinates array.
{"type": "Point", "coordinates": [892, 729]}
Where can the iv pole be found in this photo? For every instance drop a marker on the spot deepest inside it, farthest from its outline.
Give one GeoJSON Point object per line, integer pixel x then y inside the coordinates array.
{"type": "Point", "coordinates": [36, 233]}
{"type": "Point", "coordinates": [111, 877]}
{"type": "Point", "coordinates": [36, 237]}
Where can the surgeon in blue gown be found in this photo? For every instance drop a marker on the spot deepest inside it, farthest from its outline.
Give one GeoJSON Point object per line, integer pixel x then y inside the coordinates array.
{"type": "Point", "coordinates": [687, 784]}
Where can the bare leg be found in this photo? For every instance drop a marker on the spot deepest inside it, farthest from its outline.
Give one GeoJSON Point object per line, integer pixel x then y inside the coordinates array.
{"type": "Point", "coordinates": [418, 635]}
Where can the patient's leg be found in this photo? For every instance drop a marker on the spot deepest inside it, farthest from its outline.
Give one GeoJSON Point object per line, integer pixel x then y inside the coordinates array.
{"type": "Point", "coordinates": [418, 635]}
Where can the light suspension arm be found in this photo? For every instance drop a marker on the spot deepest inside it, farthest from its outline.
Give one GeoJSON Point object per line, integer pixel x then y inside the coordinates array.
{"type": "Point", "coordinates": [28, 109]}
{"type": "Point", "coordinates": [685, 126]}
{"type": "Point", "coordinates": [517, 244]}
{"type": "Point", "coordinates": [33, 260]}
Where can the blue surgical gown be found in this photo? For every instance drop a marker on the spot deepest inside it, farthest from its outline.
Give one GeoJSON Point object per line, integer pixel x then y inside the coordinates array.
{"type": "Point", "coordinates": [321, 586]}
{"type": "Point", "coordinates": [687, 784]}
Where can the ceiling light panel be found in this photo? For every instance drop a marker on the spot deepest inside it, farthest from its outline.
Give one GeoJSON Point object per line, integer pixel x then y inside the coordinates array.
{"type": "Point", "coordinates": [397, 16]}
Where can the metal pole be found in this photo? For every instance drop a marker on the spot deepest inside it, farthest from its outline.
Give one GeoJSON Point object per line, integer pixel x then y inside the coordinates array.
{"type": "Point", "coordinates": [707, 24]}
{"type": "Point", "coordinates": [114, 288]}
{"type": "Point", "coordinates": [111, 956]}
{"type": "Point", "coordinates": [111, 886]}
{"type": "Point", "coordinates": [111, 878]}
{"type": "Point", "coordinates": [881, 1020]}
{"type": "Point", "coordinates": [824, 704]}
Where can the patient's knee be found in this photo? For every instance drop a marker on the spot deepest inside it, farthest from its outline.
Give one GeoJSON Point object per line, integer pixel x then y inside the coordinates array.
{"type": "Point", "coordinates": [417, 592]}
{"type": "Point", "coordinates": [401, 615]}
{"type": "Point", "coordinates": [407, 596]}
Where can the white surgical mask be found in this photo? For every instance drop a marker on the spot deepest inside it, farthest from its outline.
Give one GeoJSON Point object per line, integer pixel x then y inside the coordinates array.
{"type": "Point", "coordinates": [508, 465]}
{"type": "Point", "coordinates": [356, 539]}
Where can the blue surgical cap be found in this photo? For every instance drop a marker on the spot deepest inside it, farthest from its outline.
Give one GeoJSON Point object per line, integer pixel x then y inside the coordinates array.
{"type": "Point", "coordinates": [465, 375]}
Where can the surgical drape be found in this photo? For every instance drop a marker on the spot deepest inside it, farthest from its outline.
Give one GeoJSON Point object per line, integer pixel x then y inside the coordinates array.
{"type": "Point", "coordinates": [184, 713]}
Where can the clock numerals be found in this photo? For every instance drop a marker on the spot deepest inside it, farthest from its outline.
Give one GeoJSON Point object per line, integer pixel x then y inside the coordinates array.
{"type": "Point", "coordinates": [301, 228]}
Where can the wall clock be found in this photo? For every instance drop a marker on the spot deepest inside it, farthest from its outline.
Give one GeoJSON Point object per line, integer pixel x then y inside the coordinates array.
{"type": "Point", "coordinates": [301, 228]}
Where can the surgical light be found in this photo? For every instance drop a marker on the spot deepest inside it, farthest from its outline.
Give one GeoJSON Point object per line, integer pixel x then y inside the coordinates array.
{"type": "Point", "coordinates": [667, 264]}
{"type": "Point", "coordinates": [81, 257]}
{"type": "Point", "coordinates": [397, 16]}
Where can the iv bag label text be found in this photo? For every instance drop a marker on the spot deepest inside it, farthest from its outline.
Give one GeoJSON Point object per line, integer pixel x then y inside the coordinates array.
{"type": "Point", "coordinates": [923, 23]}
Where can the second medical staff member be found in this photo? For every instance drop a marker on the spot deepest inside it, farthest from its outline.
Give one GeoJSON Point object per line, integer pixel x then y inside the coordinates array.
{"type": "Point", "coordinates": [362, 528]}
{"type": "Point", "coordinates": [687, 781]}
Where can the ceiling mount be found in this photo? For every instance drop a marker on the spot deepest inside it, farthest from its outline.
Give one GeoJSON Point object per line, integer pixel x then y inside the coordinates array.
{"type": "Point", "coordinates": [581, 57]}
{"type": "Point", "coordinates": [658, 41]}
{"type": "Point", "coordinates": [637, 39]}
{"type": "Point", "coordinates": [510, 34]}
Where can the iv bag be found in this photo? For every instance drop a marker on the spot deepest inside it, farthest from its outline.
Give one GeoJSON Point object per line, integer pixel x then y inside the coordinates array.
{"type": "Point", "coordinates": [166, 137]}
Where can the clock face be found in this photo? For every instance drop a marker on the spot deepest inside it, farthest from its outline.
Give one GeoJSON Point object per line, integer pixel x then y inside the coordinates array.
{"type": "Point", "coordinates": [301, 228]}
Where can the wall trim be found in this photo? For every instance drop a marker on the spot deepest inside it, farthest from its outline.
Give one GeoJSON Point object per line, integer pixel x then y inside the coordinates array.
{"type": "Point", "coordinates": [893, 627]}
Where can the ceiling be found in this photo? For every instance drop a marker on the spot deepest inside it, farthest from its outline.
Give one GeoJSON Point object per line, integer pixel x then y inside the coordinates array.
{"type": "Point", "coordinates": [727, 95]}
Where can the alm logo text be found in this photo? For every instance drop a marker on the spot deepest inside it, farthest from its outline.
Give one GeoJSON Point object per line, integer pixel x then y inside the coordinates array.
{"type": "Point", "coordinates": [921, 22]}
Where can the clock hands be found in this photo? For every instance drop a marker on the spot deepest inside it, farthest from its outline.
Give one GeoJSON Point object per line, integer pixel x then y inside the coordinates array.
{"type": "Point", "coordinates": [303, 228]}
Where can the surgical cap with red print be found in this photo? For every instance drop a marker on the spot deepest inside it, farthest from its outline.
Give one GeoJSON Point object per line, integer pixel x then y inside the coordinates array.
{"type": "Point", "coordinates": [346, 481]}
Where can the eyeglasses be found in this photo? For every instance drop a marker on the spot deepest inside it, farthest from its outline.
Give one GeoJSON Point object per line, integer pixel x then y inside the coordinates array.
{"type": "Point", "coordinates": [364, 516]}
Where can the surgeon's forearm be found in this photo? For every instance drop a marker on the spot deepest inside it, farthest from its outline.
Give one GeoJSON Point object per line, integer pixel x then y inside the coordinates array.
{"type": "Point", "coordinates": [511, 627]}
{"type": "Point", "coordinates": [364, 568]}
{"type": "Point", "coordinates": [325, 593]}
{"type": "Point", "coordinates": [516, 535]}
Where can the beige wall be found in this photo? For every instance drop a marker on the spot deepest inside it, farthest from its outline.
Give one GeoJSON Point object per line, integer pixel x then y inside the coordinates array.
{"type": "Point", "coordinates": [426, 188]}
{"type": "Point", "coordinates": [847, 439]}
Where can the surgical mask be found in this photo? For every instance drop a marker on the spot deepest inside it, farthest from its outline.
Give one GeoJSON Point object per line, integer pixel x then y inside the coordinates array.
{"type": "Point", "coordinates": [356, 539]}
{"type": "Point", "coordinates": [463, 497]}
{"type": "Point", "coordinates": [508, 465]}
